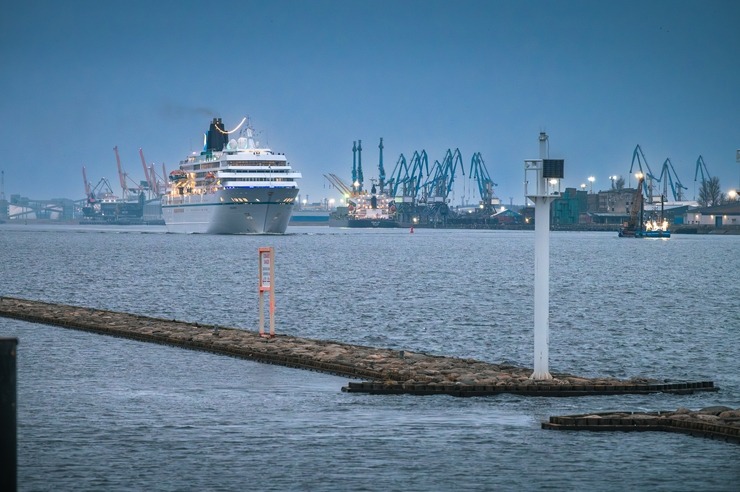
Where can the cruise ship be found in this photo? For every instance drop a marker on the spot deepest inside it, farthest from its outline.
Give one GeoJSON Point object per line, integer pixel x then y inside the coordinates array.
{"type": "Point", "coordinates": [233, 186]}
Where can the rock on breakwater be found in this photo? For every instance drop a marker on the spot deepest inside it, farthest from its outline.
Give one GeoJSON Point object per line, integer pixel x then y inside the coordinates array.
{"type": "Point", "coordinates": [718, 422]}
{"type": "Point", "coordinates": [386, 371]}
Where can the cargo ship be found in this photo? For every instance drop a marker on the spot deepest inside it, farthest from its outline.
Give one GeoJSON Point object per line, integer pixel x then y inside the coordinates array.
{"type": "Point", "coordinates": [374, 209]}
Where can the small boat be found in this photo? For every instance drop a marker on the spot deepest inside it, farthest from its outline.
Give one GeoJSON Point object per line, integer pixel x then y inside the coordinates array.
{"type": "Point", "coordinates": [636, 226]}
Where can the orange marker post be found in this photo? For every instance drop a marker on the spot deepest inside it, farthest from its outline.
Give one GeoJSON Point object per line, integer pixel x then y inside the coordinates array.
{"type": "Point", "coordinates": [267, 284]}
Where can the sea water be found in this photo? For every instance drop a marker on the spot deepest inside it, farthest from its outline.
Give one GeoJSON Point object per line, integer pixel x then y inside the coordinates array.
{"type": "Point", "coordinates": [103, 413]}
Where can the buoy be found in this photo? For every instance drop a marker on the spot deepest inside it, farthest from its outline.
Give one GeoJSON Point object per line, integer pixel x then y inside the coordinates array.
{"type": "Point", "coordinates": [412, 230]}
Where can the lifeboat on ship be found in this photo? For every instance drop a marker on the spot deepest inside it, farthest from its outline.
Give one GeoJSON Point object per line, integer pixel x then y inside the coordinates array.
{"type": "Point", "coordinates": [178, 175]}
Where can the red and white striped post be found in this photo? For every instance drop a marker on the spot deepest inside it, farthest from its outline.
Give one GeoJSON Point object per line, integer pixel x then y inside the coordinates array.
{"type": "Point", "coordinates": [267, 284]}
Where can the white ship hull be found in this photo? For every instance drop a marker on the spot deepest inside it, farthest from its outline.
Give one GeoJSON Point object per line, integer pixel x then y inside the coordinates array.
{"type": "Point", "coordinates": [230, 211]}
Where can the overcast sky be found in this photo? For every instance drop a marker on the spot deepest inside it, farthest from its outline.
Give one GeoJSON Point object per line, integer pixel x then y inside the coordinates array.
{"type": "Point", "coordinates": [79, 77]}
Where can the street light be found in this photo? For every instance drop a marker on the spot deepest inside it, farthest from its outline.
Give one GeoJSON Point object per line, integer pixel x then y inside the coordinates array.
{"type": "Point", "coordinates": [613, 178]}
{"type": "Point", "coordinates": [591, 180]}
{"type": "Point", "coordinates": [732, 194]}
{"type": "Point", "coordinates": [583, 186]}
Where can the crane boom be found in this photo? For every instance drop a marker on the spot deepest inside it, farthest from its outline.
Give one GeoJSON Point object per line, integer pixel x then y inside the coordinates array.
{"type": "Point", "coordinates": [381, 169]}
{"type": "Point", "coordinates": [339, 184]}
{"type": "Point", "coordinates": [121, 175]}
{"type": "Point", "coordinates": [647, 182]}
{"type": "Point", "coordinates": [399, 176]}
{"type": "Point", "coordinates": [668, 173]}
{"type": "Point", "coordinates": [701, 167]}
{"type": "Point", "coordinates": [155, 180]}
{"type": "Point", "coordinates": [146, 170]}
{"type": "Point", "coordinates": [87, 183]}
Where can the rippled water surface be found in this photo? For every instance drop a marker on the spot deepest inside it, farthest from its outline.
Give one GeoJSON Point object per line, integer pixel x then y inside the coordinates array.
{"type": "Point", "coordinates": [101, 413]}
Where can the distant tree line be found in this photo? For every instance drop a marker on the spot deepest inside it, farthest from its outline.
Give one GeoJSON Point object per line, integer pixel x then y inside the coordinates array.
{"type": "Point", "coordinates": [710, 193]}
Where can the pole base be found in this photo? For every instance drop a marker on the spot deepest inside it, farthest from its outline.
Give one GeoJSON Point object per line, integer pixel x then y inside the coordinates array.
{"type": "Point", "coordinates": [541, 376]}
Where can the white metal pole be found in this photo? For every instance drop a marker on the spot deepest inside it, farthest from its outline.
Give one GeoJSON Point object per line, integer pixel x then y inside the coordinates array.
{"type": "Point", "coordinates": [541, 287]}
{"type": "Point", "coordinates": [262, 313]}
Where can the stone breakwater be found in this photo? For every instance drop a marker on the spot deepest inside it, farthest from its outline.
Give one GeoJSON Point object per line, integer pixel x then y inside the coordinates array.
{"type": "Point", "coordinates": [384, 371]}
{"type": "Point", "coordinates": [718, 422]}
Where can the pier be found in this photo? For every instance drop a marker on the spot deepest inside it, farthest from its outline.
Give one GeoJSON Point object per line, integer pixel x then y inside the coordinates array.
{"type": "Point", "coordinates": [381, 371]}
{"type": "Point", "coordinates": [719, 423]}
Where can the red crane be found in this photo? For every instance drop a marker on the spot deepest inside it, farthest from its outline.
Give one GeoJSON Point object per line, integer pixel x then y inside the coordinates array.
{"type": "Point", "coordinates": [150, 175]}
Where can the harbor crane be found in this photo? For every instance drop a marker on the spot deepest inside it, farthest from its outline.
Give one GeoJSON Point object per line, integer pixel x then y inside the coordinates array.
{"type": "Point", "coordinates": [87, 183]}
{"type": "Point", "coordinates": [122, 176]}
{"type": "Point", "coordinates": [151, 183]}
{"type": "Point", "coordinates": [419, 168]}
{"type": "Point", "coordinates": [668, 177]}
{"type": "Point", "coordinates": [647, 183]}
{"type": "Point", "coordinates": [399, 176]}
{"type": "Point", "coordinates": [701, 168]}
{"type": "Point", "coordinates": [339, 184]}
{"type": "Point", "coordinates": [441, 183]}
{"type": "Point", "coordinates": [479, 172]}
{"type": "Point", "coordinates": [381, 169]}
{"type": "Point", "coordinates": [357, 177]}
{"type": "Point", "coordinates": [409, 176]}
{"type": "Point", "coordinates": [355, 188]}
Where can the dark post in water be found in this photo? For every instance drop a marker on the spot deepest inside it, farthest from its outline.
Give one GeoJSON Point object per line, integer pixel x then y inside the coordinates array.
{"type": "Point", "coordinates": [8, 445]}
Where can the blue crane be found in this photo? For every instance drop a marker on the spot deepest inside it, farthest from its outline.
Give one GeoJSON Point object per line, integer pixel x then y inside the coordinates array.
{"type": "Point", "coordinates": [701, 167]}
{"type": "Point", "coordinates": [354, 165]}
{"type": "Point", "coordinates": [647, 183]}
{"type": "Point", "coordinates": [399, 177]}
{"type": "Point", "coordinates": [381, 169]}
{"type": "Point", "coordinates": [479, 172]}
{"type": "Point", "coordinates": [441, 183]}
{"type": "Point", "coordinates": [419, 167]}
{"type": "Point", "coordinates": [667, 175]}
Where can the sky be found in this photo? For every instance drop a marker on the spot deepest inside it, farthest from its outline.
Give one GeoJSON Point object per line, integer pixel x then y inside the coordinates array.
{"type": "Point", "coordinates": [599, 77]}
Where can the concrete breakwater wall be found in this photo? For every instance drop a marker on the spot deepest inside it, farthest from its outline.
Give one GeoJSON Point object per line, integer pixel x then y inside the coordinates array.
{"type": "Point", "coordinates": [384, 371]}
{"type": "Point", "coordinates": [719, 422]}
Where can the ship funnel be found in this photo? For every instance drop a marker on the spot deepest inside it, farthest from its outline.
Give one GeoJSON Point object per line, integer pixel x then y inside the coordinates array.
{"type": "Point", "coordinates": [217, 137]}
